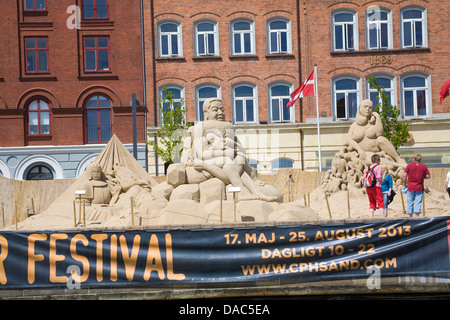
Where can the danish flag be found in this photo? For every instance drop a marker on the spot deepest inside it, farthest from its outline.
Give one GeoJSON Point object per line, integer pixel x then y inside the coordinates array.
{"type": "Point", "coordinates": [306, 89]}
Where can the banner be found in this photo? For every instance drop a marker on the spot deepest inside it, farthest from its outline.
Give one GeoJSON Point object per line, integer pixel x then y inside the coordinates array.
{"type": "Point", "coordinates": [150, 257]}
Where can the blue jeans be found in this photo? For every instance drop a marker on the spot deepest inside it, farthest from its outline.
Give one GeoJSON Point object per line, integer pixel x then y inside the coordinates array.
{"type": "Point", "coordinates": [414, 202]}
{"type": "Point", "coordinates": [385, 198]}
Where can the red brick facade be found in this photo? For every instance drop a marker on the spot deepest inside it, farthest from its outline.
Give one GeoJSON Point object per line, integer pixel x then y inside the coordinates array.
{"type": "Point", "coordinates": [66, 86]}
{"type": "Point", "coordinates": [223, 70]}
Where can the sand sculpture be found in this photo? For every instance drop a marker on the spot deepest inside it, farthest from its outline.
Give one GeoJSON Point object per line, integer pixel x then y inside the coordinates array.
{"type": "Point", "coordinates": [213, 184]}
{"type": "Point", "coordinates": [365, 138]}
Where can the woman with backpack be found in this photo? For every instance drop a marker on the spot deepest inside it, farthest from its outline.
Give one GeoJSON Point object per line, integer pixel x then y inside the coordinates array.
{"type": "Point", "coordinates": [372, 181]}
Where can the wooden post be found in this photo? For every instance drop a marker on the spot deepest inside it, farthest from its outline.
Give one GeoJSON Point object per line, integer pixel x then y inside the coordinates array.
{"type": "Point", "coordinates": [132, 212]}
{"type": "Point", "coordinates": [220, 209]}
{"type": "Point", "coordinates": [79, 208]}
{"type": "Point", "coordinates": [304, 198]}
{"type": "Point", "coordinates": [3, 215]}
{"type": "Point", "coordinates": [423, 203]}
{"type": "Point", "coordinates": [309, 200]}
{"type": "Point", "coordinates": [16, 217]}
{"type": "Point", "coordinates": [74, 214]}
{"type": "Point", "coordinates": [84, 213]}
{"type": "Point", "coordinates": [403, 204]}
{"type": "Point", "coordinates": [32, 206]}
{"type": "Point", "coordinates": [348, 202]}
{"type": "Point", "coordinates": [328, 206]}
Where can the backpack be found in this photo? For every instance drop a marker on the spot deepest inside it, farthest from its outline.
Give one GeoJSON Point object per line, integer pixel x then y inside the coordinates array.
{"type": "Point", "coordinates": [370, 179]}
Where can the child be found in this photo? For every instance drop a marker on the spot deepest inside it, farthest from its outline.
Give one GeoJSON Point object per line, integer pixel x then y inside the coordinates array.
{"type": "Point", "coordinates": [386, 188]}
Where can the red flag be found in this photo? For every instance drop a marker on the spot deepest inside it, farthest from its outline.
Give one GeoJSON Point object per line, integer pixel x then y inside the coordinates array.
{"type": "Point", "coordinates": [306, 89]}
{"type": "Point", "coordinates": [444, 90]}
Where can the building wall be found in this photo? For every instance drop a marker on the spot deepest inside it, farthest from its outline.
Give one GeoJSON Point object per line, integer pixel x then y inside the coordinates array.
{"type": "Point", "coordinates": [66, 87]}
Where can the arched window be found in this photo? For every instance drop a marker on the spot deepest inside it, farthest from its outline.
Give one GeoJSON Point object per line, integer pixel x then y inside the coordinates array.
{"type": "Point", "coordinates": [169, 39]}
{"type": "Point", "coordinates": [245, 104]}
{"type": "Point", "coordinates": [413, 27]}
{"type": "Point", "coordinates": [346, 96]}
{"type": "Point", "coordinates": [39, 172]}
{"type": "Point", "coordinates": [202, 93]}
{"type": "Point", "coordinates": [345, 30]}
{"type": "Point", "coordinates": [98, 116]}
{"type": "Point", "coordinates": [206, 38]}
{"type": "Point", "coordinates": [415, 95]}
{"type": "Point", "coordinates": [388, 83]}
{"type": "Point", "coordinates": [242, 37]}
{"type": "Point", "coordinates": [38, 117]}
{"type": "Point", "coordinates": [278, 99]}
{"type": "Point", "coordinates": [279, 36]}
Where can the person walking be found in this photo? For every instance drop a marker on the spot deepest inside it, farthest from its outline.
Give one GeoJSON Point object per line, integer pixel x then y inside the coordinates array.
{"type": "Point", "coordinates": [415, 174]}
{"type": "Point", "coordinates": [375, 193]}
{"type": "Point", "coordinates": [386, 188]}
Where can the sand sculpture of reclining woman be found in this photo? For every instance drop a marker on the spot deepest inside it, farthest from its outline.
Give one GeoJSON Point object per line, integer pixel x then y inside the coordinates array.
{"type": "Point", "coordinates": [365, 138]}
{"type": "Point", "coordinates": [212, 150]}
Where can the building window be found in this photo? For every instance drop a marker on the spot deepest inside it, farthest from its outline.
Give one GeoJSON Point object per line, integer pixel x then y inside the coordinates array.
{"type": "Point", "coordinates": [96, 54]}
{"type": "Point", "coordinates": [98, 115]}
{"type": "Point", "coordinates": [178, 99]}
{"type": "Point", "coordinates": [95, 9]}
{"type": "Point", "coordinates": [415, 95]}
{"type": "Point", "coordinates": [39, 172]}
{"type": "Point", "coordinates": [379, 29]}
{"type": "Point", "coordinates": [346, 97]}
{"type": "Point", "coordinates": [170, 43]}
{"type": "Point", "coordinates": [345, 31]}
{"type": "Point", "coordinates": [282, 163]}
{"type": "Point", "coordinates": [279, 36]}
{"type": "Point", "coordinates": [279, 97]}
{"type": "Point", "coordinates": [244, 104]}
{"type": "Point", "coordinates": [413, 24]}
{"type": "Point", "coordinates": [388, 84]}
{"type": "Point", "coordinates": [242, 38]}
{"type": "Point", "coordinates": [206, 38]}
{"type": "Point", "coordinates": [35, 5]}
{"type": "Point", "coordinates": [202, 93]}
{"type": "Point", "coordinates": [36, 54]}
{"type": "Point", "coordinates": [38, 117]}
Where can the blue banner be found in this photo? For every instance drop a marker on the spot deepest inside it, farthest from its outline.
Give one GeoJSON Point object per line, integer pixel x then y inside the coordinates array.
{"type": "Point", "coordinates": [239, 254]}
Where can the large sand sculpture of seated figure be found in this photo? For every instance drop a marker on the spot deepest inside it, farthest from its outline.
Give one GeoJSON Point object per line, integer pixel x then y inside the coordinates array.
{"type": "Point", "coordinates": [213, 150]}
{"type": "Point", "coordinates": [365, 138]}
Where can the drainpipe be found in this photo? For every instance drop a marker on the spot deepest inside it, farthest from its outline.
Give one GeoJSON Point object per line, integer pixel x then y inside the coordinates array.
{"type": "Point", "coordinates": [155, 113]}
{"type": "Point", "coordinates": [144, 80]}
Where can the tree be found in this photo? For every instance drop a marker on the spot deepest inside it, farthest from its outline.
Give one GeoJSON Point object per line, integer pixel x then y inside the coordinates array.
{"type": "Point", "coordinates": [395, 131]}
{"type": "Point", "coordinates": [173, 127]}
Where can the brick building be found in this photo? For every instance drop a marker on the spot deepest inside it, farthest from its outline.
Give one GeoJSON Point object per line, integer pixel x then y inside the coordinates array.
{"type": "Point", "coordinates": [67, 73]}
{"type": "Point", "coordinates": [403, 45]}
{"type": "Point", "coordinates": [252, 54]}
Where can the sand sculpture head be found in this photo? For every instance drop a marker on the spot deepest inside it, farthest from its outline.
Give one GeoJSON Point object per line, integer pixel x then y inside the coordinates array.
{"type": "Point", "coordinates": [96, 171]}
{"type": "Point", "coordinates": [213, 109]}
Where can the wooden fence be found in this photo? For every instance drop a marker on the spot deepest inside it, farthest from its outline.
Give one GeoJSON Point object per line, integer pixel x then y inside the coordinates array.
{"type": "Point", "coordinates": [26, 197]}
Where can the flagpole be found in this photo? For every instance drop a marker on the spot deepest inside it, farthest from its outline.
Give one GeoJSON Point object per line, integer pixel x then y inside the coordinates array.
{"type": "Point", "coordinates": [318, 122]}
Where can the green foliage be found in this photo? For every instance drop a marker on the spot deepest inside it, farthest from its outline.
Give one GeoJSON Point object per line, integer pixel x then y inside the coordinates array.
{"type": "Point", "coordinates": [173, 129]}
{"type": "Point", "coordinates": [395, 131]}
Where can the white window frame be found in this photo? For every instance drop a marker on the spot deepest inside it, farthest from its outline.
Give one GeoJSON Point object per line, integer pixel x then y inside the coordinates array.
{"type": "Point", "coordinates": [346, 92]}
{"type": "Point", "coordinates": [345, 27]}
{"type": "Point", "coordinates": [198, 112]}
{"type": "Point", "coordinates": [278, 32]}
{"type": "Point", "coordinates": [423, 20]}
{"type": "Point", "coordinates": [241, 34]}
{"type": "Point", "coordinates": [244, 99]}
{"type": "Point", "coordinates": [178, 33]}
{"type": "Point", "coordinates": [375, 21]}
{"type": "Point", "coordinates": [206, 39]}
{"type": "Point", "coordinates": [168, 87]}
{"type": "Point", "coordinates": [280, 102]}
{"type": "Point", "coordinates": [427, 89]}
{"type": "Point", "coordinates": [392, 91]}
